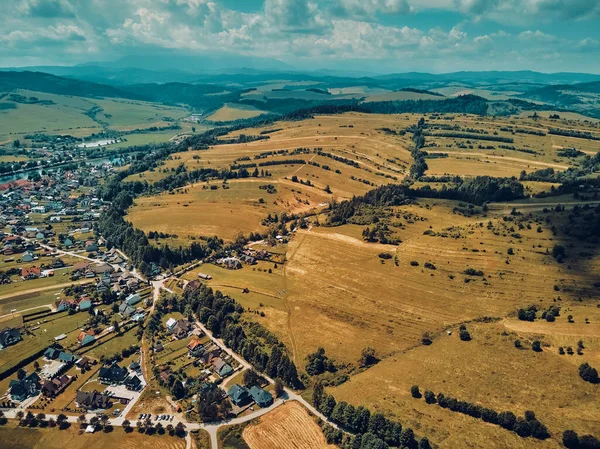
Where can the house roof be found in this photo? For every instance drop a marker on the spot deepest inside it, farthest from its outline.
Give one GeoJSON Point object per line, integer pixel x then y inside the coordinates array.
{"type": "Point", "coordinates": [238, 393]}
{"type": "Point", "coordinates": [113, 373]}
{"type": "Point", "coordinates": [171, 322]}
{"type": "Point", "coordinates": [260, 396]}
{"type": "Point", "coordinates": [66, 357]}
{"type": "Point", "coordinates": [194, 344]}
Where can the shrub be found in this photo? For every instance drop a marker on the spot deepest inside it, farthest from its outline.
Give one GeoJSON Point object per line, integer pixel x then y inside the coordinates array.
{"type": "Point", "coordinates": [536, 346]}
{"type": "Point", "coordinates": [588, 373]}
{"type": "Point", "coordinates": [414, 391]}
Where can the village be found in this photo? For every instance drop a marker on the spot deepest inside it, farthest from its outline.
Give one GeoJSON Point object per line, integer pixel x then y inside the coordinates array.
{"type": "Point", "coordinates": [76, 354]}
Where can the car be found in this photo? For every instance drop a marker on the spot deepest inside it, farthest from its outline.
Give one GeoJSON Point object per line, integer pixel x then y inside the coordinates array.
{"type": "Point", "coordinates": [171, 418]}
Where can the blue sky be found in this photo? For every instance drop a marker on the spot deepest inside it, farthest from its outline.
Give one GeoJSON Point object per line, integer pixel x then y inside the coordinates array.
{"type": "Point", "coordinates": [370, 35]}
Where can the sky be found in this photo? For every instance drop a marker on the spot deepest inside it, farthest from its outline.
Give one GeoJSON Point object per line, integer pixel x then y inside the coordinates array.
{"type": "Point", "coordinates": [377, 36]}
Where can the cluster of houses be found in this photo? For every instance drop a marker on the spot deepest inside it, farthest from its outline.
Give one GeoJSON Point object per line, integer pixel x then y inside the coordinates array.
{"type": "Point", "coordinates": [113, 375]}
{"type": "Point", "coordinates": [241, 396]}
{"type": "Point", "coordinates": [50, 381]}
{"type": "Point", "coordinates": [246, 256]}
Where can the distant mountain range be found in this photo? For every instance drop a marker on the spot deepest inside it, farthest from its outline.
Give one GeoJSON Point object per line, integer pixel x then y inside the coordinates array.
{"type": "Point", "coordinates": [207, 91]}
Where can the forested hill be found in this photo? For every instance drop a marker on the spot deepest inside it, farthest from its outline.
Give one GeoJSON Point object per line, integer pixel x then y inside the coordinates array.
{"type": "Point", "coordinates": [197, 95]}
{"type": "Point", "coordinates": [43, 82]}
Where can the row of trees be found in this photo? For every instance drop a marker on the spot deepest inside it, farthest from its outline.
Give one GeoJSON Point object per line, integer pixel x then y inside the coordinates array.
{"type": "Point", "coordinates": [528, 426]}
{"type": "Point", "coordinates": [371, 430]}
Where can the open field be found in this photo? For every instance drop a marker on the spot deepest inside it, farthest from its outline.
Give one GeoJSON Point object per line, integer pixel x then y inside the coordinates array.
{"type": "Point", "coordinates": [491, 372]}
{"type": "Point", "coordinates": [71, 115]}
{"type": "Point", "coordinates": [374, 157]}
{"type": "Point", "coordinates": [23, 438]}
{"type": "Point", "coordinates": [235, 111]}
{"type": "Point", "coordinates": [402, 96]}
{"type": "Point", "coordinates": [287, 427]}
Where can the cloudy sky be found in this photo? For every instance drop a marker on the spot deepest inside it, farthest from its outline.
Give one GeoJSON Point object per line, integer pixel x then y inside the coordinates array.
{"type": "Point", "coordinates": [369, 35]}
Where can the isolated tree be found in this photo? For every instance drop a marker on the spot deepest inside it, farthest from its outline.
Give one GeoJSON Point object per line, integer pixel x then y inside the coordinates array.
{"type": "Point", "coordinates": [536, 346]}
{"type": "Point", "coordinates": [279, 390]}
{"type": "Point", "coordinates": [367, 357]}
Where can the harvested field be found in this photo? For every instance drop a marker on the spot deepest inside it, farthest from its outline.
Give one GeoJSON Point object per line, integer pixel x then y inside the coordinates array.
{"type": "Point", "coordinates": [23, 438]}
{"type": "Point", "coordinates": [287, 427]}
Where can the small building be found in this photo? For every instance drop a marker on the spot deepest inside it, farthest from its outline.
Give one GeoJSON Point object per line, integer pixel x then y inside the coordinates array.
{"type": "Point", "coordinates": [206, 277]}
{"type": "Point", "coordinates": [239, 395]}
{"type": "Point", "coordinates": [83, 363]}
{"type": "Point", "coordinates": [261, 397]}
{"type": "Point", "coordinates": [170, 324]}
{"type": "Point", "coordinates": [9, 336]}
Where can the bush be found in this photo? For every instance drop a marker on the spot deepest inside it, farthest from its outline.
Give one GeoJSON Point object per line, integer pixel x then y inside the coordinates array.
{"type": "Point", "coordinates": [464, 335]}
{"type": "Point", "coordinates": [589, 374]}
{"type": "Point", "coordinates": [536, 346]}
{"type": "Point", "coordinates": [414, 391]}
{"type": "Point", "coordinates": [430, 397]}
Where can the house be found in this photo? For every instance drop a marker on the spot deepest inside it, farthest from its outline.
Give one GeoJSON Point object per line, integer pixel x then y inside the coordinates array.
{"type": "Point", "coordinates": [261, 397]}
{"type": "Point", "coordinates": [92, 400]}
{"type": "Point", "coordinates": [31, 273]}
{"type": "Point", "coordinates": [210, 354]}
{"type": "Point", "coordinates": [195, 348]}
{"type": "Point", "coordinates": [27, 257]}
{"type": "Point", "coordinates": [67, 357]}
{"type": "Point", "coordinates": [239, 395]}
{"type": "Point", "coordinates": [181, 329]}
{"type": "Point", "coordinates": [51, 353]}
{"type": "Point", "coordinates": [57, 263]}
{"type": "Point", "coordinates": [231, 263]}
{"type": "Point", "coordinates": [68, 243]}
{"type": "Point", "coordinates": [9, 336]}
{"type": "Point", "coordinates": [91, 248]}
{"type": "Point", "coordinates": [192, 286]}
{"type": "Point", "coordinates": [170, 324]}
{"type": "Point", "coordinates": [52, 388]}
{"type": "Point", "coordinates": [113, 374]}
{"type": "Point", "coordinates": [84, 304]}
{"type": "Point", "coordinates": [85, 339]}
{"type": "Point", "coordinates": [206, 277]}
{"type": "Point", "coordinates": [158, 347]}
{"type": "Point", "coordinates": [133, 383]}
{"type": "Point", "coordinates": [126, 310]}
{"type": "Point", "coordinates": [222, 368]}
{"type": "Point", "coordinates": [132, 300]}
{"type": "Point", "coordinates": [24, 388]}
{"type": "Point", "coordinates": [135, 366]}
{"type": "Point", "coordinates": [65, 304]}
{"type": "Point", "coordinates": [83, 363]}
